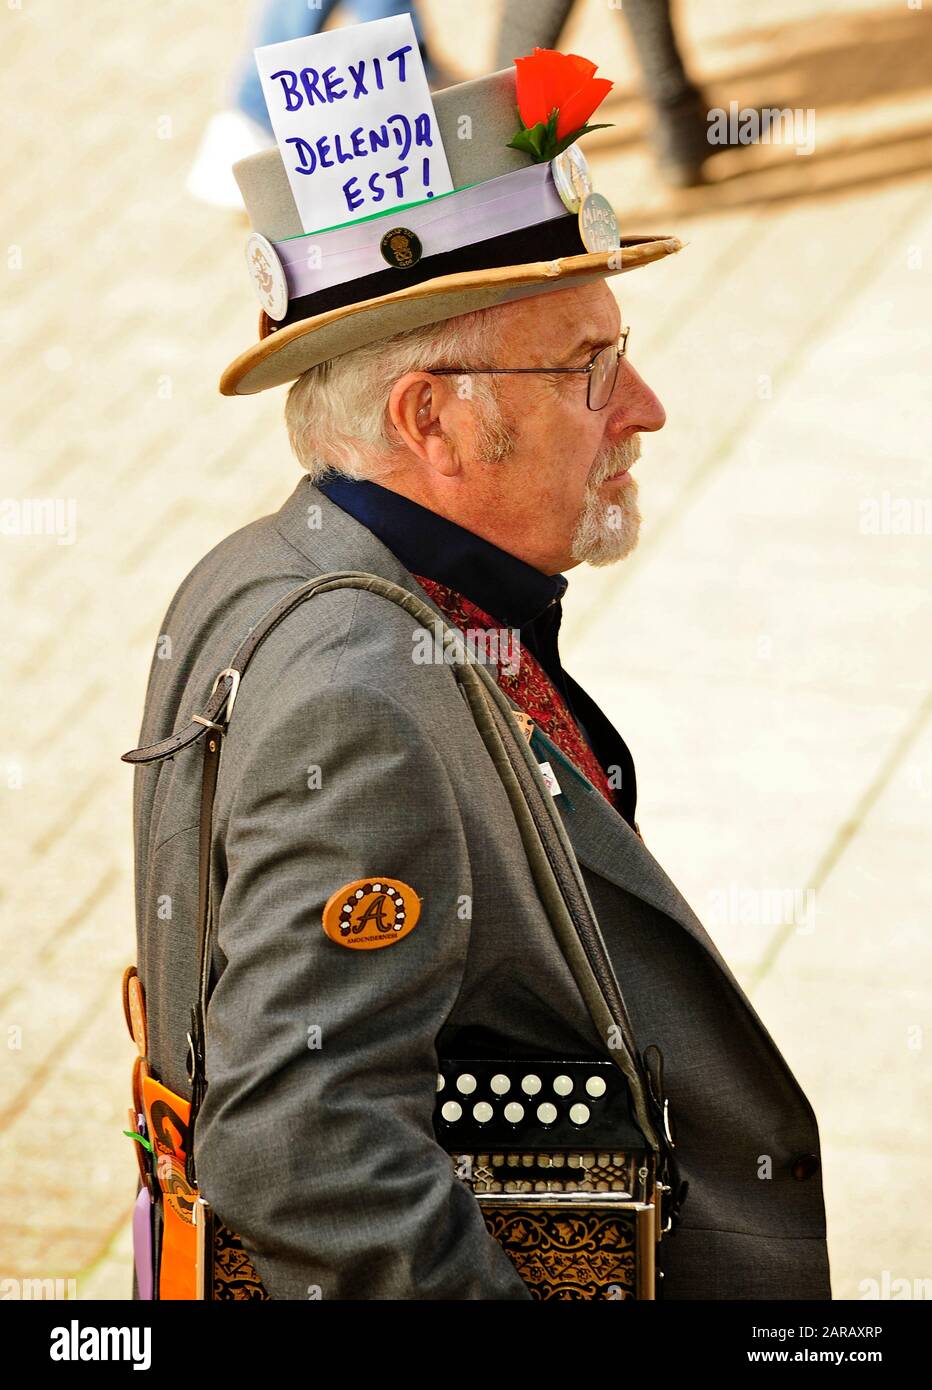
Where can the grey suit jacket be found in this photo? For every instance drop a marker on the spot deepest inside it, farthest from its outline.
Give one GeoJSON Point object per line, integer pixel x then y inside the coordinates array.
{"type": "Point", "coordinates": [346, 758]}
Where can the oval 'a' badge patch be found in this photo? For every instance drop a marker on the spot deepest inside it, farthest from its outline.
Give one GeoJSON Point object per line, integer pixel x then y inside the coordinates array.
{"type": "Point", "coordinates": [371, 912]}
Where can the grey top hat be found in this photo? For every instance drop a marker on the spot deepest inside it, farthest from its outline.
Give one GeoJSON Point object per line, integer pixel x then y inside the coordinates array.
{"type": "Point", "coordinates": [399, 277]}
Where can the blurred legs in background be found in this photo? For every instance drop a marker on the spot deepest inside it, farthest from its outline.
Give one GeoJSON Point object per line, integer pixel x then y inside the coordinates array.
{"type": "Point", "coordinates": [678, 129]}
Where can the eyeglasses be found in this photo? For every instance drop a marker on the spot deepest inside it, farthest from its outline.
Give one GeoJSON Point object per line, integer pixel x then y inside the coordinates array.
{"type": "Point", "coordinates": [602, 371]}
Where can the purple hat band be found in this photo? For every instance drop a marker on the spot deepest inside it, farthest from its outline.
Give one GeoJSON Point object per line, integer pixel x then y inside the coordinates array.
{"type": "Point", "coordinates": [319, 260]}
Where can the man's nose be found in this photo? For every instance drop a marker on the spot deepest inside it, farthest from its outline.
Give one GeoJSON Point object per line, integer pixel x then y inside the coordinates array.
{"type": "Point", "coordinates": [634, 404]}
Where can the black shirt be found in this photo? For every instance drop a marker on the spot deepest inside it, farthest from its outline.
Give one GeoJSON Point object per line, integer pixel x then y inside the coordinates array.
{"type": "Point", "coordinates": [516, 594]}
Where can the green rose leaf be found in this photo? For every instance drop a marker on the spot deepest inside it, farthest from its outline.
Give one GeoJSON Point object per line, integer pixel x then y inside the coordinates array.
{"type": "Point", "coordinates": [540, 141]}
{"type": "Point", "coordinates": [574, 135]}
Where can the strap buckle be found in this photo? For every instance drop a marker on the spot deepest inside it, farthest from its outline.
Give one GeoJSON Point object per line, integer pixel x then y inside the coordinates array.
{"type": "Point", "coordinates": [208, 723]}
{"type": "Point", "coordinates": [191, 1058]}
{"type": "Point", "coordinates": [657, 1093]}
{"type": "Point", "coordinates": [226, 709]}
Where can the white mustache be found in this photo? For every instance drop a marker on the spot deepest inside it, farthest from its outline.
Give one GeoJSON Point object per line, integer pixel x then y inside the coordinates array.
{"type": "Point", "coordinates": [622, 456]}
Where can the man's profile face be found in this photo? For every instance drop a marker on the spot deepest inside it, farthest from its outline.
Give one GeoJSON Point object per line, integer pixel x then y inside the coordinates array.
{"type": "Point", "coordinates": [562, 495]}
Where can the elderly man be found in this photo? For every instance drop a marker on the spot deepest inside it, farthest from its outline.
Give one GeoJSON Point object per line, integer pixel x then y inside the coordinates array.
{"type": "Point", "coordinates": [470, 459]}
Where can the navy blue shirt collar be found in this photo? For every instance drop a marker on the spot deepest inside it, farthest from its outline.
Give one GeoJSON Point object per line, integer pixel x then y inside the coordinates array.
{"type": "Point", "coordinates": [426, 543]}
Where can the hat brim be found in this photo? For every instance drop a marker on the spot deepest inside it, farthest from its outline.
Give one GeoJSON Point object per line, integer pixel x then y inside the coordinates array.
{"type": "Point", "coordinates": [284, 354]}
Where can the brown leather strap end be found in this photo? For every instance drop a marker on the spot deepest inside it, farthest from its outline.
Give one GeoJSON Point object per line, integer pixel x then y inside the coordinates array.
{"type": "Point", "coordinates": [168, 747]}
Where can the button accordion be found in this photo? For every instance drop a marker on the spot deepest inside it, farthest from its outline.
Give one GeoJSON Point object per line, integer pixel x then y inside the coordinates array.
{"type": "Point", "coordinates": [561, 1171]}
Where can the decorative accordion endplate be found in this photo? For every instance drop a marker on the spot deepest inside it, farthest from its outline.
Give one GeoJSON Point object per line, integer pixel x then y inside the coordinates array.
{"type": "Point", "coordinates": [575, 1252]}
{"type": "Point", "coordinates": [234, 1274]}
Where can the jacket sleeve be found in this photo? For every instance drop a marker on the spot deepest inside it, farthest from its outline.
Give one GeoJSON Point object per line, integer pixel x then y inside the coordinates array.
{"type": "Point", "coordinates": [315, 1141]}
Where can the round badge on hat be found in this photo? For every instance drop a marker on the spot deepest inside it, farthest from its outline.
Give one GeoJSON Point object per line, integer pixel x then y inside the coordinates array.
{"type": "Point", "coordinates": [598, 225]}
{"type": "Point", "coordinates": [268, 275]}
{"type": "Point", "coordinates": [401, 248]}
{"type": "Point", "coordinates": [572, 177]}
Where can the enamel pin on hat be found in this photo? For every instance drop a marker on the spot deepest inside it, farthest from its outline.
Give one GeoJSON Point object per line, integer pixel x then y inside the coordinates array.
{"type": "Point", "coordinates": [374, 214]}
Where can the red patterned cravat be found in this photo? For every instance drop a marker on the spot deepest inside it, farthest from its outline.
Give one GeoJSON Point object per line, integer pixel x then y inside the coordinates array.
{"type": "Point", "coordinates": [530, 687]}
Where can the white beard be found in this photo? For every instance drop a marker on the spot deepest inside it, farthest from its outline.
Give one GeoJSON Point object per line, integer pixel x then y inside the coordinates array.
{"type": "Point", "coordinates": [608, 525]}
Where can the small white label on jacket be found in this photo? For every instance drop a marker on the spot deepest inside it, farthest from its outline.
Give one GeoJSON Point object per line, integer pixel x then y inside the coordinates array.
{"type": "Point", "coordinates": [549, 777]}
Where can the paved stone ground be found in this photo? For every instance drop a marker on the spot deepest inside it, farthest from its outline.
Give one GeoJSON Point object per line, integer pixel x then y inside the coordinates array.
{"type": "Point", "coordinates": [765, 652]}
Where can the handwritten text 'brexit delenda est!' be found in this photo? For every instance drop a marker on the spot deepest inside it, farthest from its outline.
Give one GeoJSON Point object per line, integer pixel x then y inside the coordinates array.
{"type": "Point", "coordinates": [308, 87]}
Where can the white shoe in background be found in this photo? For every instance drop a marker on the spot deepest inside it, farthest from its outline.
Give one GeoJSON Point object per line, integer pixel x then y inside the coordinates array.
{"type": "Point", "coordinates": [229, 136]}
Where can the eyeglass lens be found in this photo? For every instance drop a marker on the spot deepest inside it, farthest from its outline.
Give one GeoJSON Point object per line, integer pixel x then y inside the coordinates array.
{"type": "Point", "coordinates": [602, 377]}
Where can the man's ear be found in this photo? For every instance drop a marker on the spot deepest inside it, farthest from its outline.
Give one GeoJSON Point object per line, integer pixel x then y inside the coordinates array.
{"type": "Point", "coordinates": [414, 407]}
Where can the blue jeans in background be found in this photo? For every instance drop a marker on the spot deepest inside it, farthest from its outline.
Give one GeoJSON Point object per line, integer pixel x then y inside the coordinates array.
{"type": "Point", "coordinates": [280, 20]}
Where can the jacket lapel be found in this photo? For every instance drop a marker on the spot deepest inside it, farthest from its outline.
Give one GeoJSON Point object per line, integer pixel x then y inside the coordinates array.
{"type": "Point", "coordinates": [604, 842]}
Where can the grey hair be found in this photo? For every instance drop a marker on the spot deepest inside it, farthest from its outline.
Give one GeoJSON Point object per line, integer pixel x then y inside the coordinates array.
{"type": "Point", "coordinates": [336, 413]}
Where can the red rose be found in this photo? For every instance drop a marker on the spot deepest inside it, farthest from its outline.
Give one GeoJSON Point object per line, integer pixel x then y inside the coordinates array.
{"type": "Point", "coordinates": [562, 84]}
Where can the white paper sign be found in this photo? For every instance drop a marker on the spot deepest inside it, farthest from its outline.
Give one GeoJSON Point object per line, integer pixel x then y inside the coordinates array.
{"type": "Point", "coordinates": [352, 114]}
